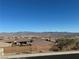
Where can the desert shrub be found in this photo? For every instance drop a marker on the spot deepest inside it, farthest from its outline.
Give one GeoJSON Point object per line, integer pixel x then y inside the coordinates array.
{"type": "Point", "coordinates": [65, 42]}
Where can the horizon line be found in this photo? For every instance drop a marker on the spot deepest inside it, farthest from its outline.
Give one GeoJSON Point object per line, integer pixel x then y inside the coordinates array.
{"type": "Point", "coordinates": [39, 31]}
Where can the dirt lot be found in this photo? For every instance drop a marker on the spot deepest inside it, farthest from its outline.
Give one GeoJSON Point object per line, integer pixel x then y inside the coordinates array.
{"type": "Point", "coordinates": [27, 49]}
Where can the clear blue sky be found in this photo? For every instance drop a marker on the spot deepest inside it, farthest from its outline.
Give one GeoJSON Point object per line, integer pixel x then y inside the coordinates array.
{"type": "Point", "coordinates": [39, 15]}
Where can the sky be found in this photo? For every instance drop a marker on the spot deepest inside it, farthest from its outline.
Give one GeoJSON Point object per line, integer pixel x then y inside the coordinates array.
{"type": "Point", "coordinates": [39, 15]}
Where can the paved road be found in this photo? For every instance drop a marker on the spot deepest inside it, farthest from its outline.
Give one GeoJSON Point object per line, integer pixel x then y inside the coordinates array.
{"type": "Point", "coordinates": [70, 56]}
{"type": "Point", "coordinates": [41, 55]}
